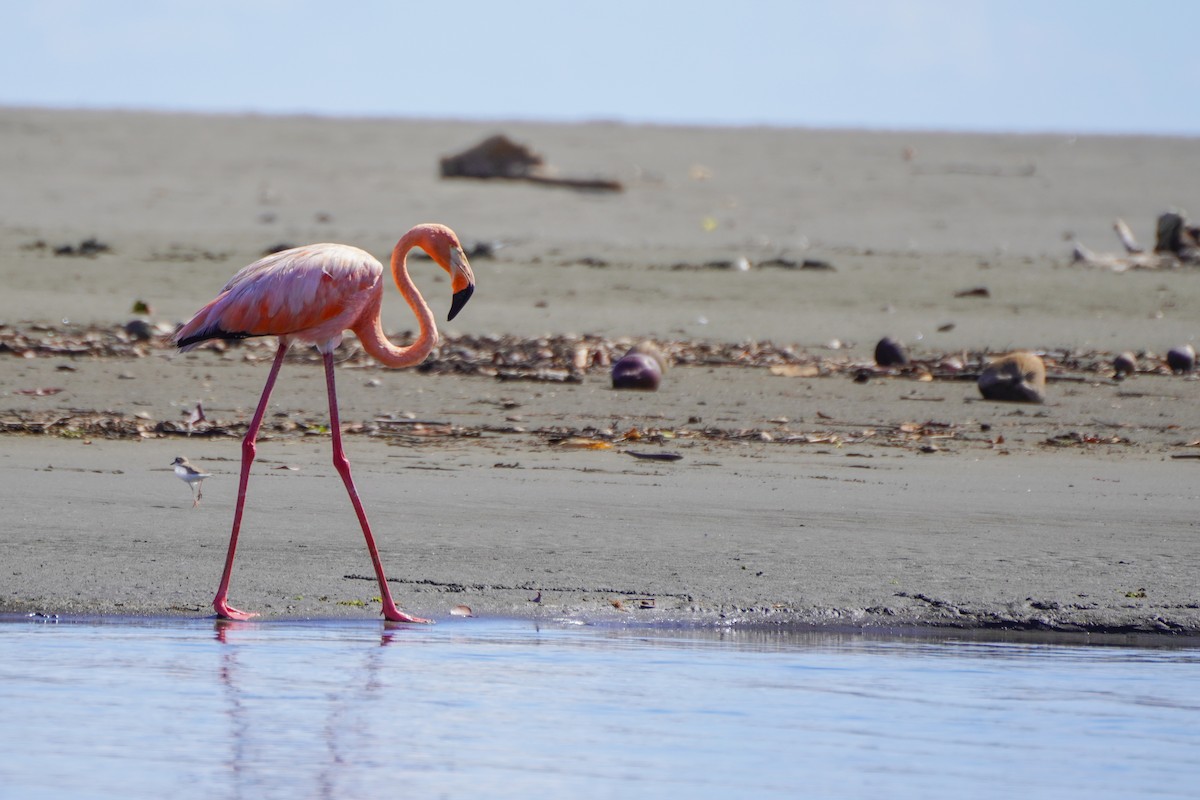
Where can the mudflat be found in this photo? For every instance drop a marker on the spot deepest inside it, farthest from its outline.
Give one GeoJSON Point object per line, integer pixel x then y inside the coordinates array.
{"type": "Point", "coordinates": [777, 476]}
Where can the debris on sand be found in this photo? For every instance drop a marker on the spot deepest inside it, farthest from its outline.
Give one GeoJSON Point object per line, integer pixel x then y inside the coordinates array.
{"type": "Point", "coordinates": [140, 330]}
{"type": "Point", "coordinates": [1174, 235]}
{"type": "Point", "coordinates": [790, 263]}
{"type": "Point", "coordinates": [494, 157]}
{"type": "Point", "coordinates": [499, 157]}
{"type": "Point", "coordinates": [636, 371]}
{"type": "Point", "coordinates": [743, 264]}
{"type": "Point", "coordinates": [1176, 244]}
{"type": "Point", "coordinates": [655, 456]}
{"type": "Point", "coordinates": [1182, 359]}
{"type": "Point", "coordinates": [1124, 365]}
{"type": "Point", "coordinates": [88, 247]}
{"type": "Point", "coordinates": [890, 353]}
{"type": "Point", "coordinates": [194, 418]}
{"type": "Point", "coordinates": [1016, 378]}
{"type": "Point", "coordinates": [640, 368]}
{"type": "Point", "coordinates": [579, 359]}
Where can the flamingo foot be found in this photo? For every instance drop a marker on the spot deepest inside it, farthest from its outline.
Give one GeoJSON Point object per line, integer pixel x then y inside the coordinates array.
{"type": "Point", "coordinates": [226, 611]}
{"type": "Point", "coordinates": [393, 614]}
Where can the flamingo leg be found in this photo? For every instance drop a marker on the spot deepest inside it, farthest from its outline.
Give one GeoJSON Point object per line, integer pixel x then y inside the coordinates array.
{"type": "Point", "coordinates": [342, 464]}
{"type": "Point", "coordinates": [249, 448]}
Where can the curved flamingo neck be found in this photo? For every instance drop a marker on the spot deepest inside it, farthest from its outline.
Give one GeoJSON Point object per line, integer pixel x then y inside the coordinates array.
{"type": "Point", "coordinates": [370, 333]}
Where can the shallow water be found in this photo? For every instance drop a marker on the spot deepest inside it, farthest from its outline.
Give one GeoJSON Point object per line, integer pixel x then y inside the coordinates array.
{"type": "Point", "coordinates": [476, 708]}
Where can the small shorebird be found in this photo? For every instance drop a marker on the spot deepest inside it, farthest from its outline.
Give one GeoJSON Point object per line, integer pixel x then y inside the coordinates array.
{"type": "Point", "coordinates": [193, 477]}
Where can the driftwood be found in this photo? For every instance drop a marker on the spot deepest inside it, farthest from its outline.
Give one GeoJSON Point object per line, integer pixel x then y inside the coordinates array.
{"type": "Point", "coordinates": [1176, 244]}
{"type": "Point", "coordinates": [494, 157]}
{"type": "Point", "coordinates": [1126, 237]}
{"type": "Point", "coordinates": [499, 157]}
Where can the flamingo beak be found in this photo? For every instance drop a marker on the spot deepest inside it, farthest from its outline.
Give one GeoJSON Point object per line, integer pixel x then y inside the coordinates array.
{"type": "Point", "coordinates": [462, 281]}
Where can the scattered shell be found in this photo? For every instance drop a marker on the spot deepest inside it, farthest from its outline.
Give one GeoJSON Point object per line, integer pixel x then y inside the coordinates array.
{"type": "Point", "coordinates": [1017, 378]}
{"type": "Point", "coordinates": [1182, 359]}
{"type": "Point", "coordinates": [581, 357]}
{"type": "Point", "coordinates": [890, 353]}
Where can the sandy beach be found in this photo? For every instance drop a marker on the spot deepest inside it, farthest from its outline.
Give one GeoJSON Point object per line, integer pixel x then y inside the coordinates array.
{"type": "Point", "coordinates": [508, 476]}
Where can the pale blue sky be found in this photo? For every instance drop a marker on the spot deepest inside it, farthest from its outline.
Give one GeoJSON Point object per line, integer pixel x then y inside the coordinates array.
{"type": "Point", "coordinates": [1010, 65]}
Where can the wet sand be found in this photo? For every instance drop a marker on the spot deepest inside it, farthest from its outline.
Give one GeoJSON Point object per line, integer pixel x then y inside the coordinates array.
{"type": "Point", "coordinates": [797, 500]}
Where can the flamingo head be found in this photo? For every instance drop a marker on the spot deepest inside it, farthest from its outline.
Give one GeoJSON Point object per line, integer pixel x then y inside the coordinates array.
{"type": "Point", "coordinates": [443, 246]}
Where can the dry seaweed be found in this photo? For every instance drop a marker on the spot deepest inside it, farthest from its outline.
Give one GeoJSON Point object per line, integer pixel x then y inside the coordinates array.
{"type": "Point", "coordinates": [558, 359]}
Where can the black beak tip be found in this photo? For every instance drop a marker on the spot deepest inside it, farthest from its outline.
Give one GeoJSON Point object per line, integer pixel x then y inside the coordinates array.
{"type": "Point", "coordinates": [459, 300]}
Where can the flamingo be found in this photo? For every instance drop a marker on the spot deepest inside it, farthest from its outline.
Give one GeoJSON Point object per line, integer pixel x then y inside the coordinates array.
{"type": "Point", "coordinates": [313, 294]}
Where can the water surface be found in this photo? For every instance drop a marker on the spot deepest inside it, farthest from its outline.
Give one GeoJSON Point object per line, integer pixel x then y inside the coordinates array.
{"type": "Point", "coordinates": [477, 708]}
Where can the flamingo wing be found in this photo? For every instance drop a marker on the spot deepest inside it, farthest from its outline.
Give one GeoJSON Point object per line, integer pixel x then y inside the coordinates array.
{"type": "Point", "coordinates": [311, 293]}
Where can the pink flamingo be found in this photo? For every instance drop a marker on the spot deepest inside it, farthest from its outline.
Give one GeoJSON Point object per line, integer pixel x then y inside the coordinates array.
{"type": "Point", "coordinates": [314, 294]}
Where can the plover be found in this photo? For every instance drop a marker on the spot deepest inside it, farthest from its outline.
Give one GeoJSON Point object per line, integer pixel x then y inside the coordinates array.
{"type": "Point", "coordinates": [193, 477]}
